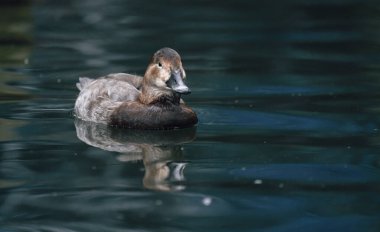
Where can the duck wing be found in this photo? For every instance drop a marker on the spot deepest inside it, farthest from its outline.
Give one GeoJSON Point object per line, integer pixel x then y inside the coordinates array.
{"type": "Point", "coordinates": [99, 98]}
{"type": "Point", "coordinates": [120, 90]}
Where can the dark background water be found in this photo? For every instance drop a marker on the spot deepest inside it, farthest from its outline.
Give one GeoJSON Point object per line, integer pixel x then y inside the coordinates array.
{"type": "Point", "coordinates": [286, 93]}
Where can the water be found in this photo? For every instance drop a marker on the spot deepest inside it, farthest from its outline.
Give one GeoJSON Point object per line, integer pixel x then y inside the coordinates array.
{"type": "Point", "coordinates": [286, 93]}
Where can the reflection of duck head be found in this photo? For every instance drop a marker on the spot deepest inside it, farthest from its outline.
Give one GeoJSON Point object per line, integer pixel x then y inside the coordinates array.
{"type": "Point", "coordinates": [157, 149]}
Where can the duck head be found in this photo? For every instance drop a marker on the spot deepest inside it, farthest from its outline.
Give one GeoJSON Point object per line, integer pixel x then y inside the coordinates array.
{"type": "Point", "coordinates": [164, 76]}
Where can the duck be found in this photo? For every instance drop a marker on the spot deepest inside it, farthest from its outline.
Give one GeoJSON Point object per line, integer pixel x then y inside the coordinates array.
{"type": "Point", "coordinates": [152, 101]}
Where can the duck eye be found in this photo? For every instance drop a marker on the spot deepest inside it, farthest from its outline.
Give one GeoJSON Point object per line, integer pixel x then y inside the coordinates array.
{"type": "Point", "coordinates": [159, 65]}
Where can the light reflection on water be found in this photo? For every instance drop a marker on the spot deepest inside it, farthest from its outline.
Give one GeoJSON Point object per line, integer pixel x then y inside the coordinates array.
{"type": "Point", "coordinates": [286, 94]}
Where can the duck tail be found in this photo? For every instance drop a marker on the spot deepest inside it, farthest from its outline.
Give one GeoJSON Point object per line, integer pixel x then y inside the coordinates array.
{"type": "Point", "coordinates": [83, 82]}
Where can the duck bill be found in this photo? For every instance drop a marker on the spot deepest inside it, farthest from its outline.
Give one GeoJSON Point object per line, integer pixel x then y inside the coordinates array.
{"type": "Point", "coordinates": [177, 85]}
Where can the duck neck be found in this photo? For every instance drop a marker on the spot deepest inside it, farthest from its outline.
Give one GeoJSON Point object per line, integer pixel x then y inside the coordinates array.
{"type": "Point", "coordinates": [155, 96]}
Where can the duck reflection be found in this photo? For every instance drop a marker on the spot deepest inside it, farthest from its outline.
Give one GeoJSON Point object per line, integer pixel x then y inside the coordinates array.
{"type": "Point", "coordinates": [160, 151]}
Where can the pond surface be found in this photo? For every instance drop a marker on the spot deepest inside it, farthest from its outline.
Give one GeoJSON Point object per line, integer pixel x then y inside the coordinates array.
{"type": "Point", "coordinates": [287, 94]}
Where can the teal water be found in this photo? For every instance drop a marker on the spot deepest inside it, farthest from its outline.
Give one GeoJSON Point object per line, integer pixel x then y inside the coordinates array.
{"type": "Point", "coordinates": [286, 94]}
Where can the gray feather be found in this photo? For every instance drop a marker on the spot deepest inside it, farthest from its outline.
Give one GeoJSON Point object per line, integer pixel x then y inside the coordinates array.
{"type": "Point", "coordinates": [83, 82]}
